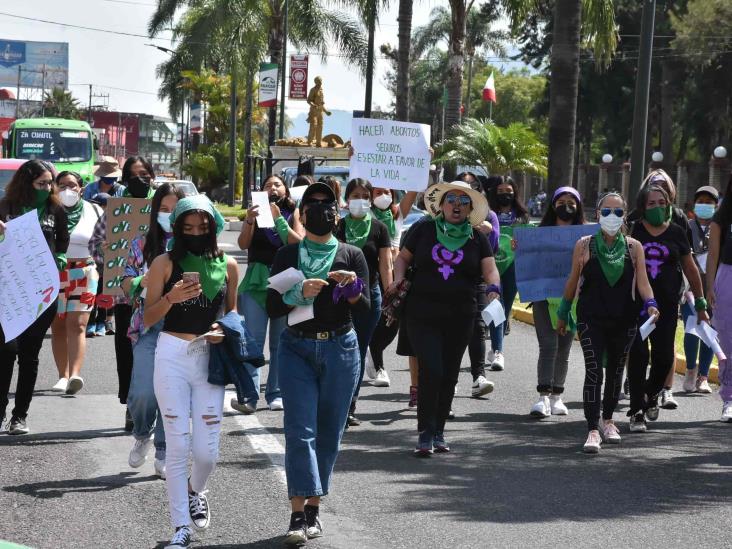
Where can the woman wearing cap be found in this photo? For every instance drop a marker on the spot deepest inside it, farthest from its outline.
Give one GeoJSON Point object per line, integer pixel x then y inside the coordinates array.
{"type": "Point", "coordinates": [79, 282]}
{"type": "Point", "coordinates": [31, 188]}
{"type": "Point", "coordinates": [608, 268]}
{"type": "Point", "coordinates": [318, 354]}
{"type": "Point", "coordinates": [719, 292]}
{"type": "Point", "coordinates": [667, 256]}
{"type": "Point", "coordinates": [565, 209]}
{"type": "Point", "coordinates": [262, 245]}
{"type": "Point", "coordinates": [360, 229]}
{"type": "Point", "coordinates": [698, 354]}
{"type": "Point", "coordinates": [449, 257]}
{"type": "Point", "coordinates": [192, 408]}
{"type": "Point", "coordinates": [108, 173]}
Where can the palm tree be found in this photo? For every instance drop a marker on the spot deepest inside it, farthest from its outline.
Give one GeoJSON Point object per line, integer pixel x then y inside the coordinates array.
{"type": "Point", "coordinates": [59, 103]}
{"type": "Point", "coordinates": [404, 20]}
{"type": "Point", "coordinates": [498, 150]}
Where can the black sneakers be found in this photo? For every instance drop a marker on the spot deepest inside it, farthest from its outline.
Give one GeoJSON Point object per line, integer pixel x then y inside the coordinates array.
{"type": "Point", "coordinates": [18, 426]}
{"type": "Point", "coordinates": [312, 517]}
{"type": "Point", "coordinates": [297, 533]}
{"type": "Point", "coordinates": [199, 510]}
{"type": "Point", "coordinates": [181, 538]}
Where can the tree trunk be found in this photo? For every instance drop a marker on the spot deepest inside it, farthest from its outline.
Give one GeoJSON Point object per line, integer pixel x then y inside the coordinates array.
{"type": "Point", "coordinates": [563, 92]}
{"type": "Point", "coordinates": [470, 85]}
{"type": "Point", "coordinates": [275, 52]}
{"type": "Point", "coordinates": [405, 35]}
{"type": "Point", "coordinates": [666, 119]}
{"type": "Point", "coordinates": [245, 195]}
{"type": "Point", "coordinates": [456, 61]}
{"type": "Point", "coordinates": [371, 24]}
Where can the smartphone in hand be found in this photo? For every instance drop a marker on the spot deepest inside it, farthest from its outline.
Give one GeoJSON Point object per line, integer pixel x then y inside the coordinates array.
{"type": "Point", "coordinates": [192, 277]}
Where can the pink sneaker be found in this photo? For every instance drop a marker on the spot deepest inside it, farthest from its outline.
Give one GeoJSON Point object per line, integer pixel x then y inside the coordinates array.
{"type": "Point", "coordinates": [610, 433]}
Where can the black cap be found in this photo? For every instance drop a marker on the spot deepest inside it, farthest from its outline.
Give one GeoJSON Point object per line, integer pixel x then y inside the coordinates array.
{"type": "Point", "coordinates": [708, 189]}
{"type": "Point", "coordinates": [318, 188]}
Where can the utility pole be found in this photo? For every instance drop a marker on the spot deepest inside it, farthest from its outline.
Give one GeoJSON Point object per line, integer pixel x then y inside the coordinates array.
{"type": "Point", "coordinates": [642, 89]}
{"type": "Point", "coordinates": [284, 69]}
{"type": "Point", "coordinates": [232, 139]}
{"type": "Point", "coordinates": [43, 92]}
{"type": "Point", "coordinates": [89, 112]}
{"type": "Point", "coordinates": [17, 94]}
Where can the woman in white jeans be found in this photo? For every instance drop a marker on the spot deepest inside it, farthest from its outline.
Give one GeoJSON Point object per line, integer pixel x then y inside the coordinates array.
{"type": "Point", "coordinates": [189, 305]}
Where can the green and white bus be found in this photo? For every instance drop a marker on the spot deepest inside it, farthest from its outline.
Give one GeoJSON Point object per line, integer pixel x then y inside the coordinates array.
{"type": "Point", "coordinates": [69, 144]}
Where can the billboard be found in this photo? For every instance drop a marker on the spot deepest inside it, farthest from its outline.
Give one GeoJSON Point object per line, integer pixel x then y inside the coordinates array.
{"type": "Point", "coordinates": [31, 60]}
{"type": "Point", "coordinates": [298, 77]}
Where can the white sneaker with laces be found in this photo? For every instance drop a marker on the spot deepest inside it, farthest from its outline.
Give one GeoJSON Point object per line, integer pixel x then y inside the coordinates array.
{"type": "Point", "coordinates": [690, 381]}
{"type": "Point", "coordinates": [160, 468]}
{"type": "Point", "coordinates": [499, 363]}
{"type": "Point", "coordinates": [726, 412]}
{"type": "Point", "coordinates": [610, 433]}
{"type": "Point", "coordinates": [75, 385]}
{"type": "Point", "coordinates": [557, 407]}
{"type": "Point", "coordinates": [593, 442]}
{"type": "Point", "coordinates": [276, 405]}
{"type": "Point", "coordinates": [138, 454]}
{"type": "Point", "coordinates": [542, 408]}
{"type": "Point", "coordinates": [668, 402]}
{"type": "Point", "coordinates": [199, 510]}
{"type": "Point", "coordinates": [370, 368]}
{"type": "Point", "coordinates": [481, 386]}
{"type": "Point", "coordinates": [181, 539]}
{"type": "Point", "coordinates": [638, 423]}
{"type": "Point", "coordinates": [381, 379]}
{"type": "Point", "coordinates": [61, 385]}
{"type": "Point", "coordinates": [702, 385]}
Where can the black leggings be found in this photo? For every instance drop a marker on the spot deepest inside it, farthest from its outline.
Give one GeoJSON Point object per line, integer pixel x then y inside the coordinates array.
{"type": "Point", "coordinates": [123, 349]}
{"type": "Point", "coordinates": [26, 348]}
{"type": "Point", "coordinates": [382, 338]}
{"type": "Point", "coordinates": [477, 347]}
{"type": "Point", "coordinates": [440, 348]}
{"type": "Point", "coordinates": [599, 341]}
{"type": "Point", "coordinates": [644, 392]}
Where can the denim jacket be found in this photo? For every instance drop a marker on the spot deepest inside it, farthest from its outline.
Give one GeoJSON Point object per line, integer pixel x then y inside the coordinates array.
{"type": "Point", "coordinates": [227, 359]}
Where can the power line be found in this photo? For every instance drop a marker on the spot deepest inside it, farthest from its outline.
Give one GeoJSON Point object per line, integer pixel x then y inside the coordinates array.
{"type": "Point", "coordinates": [130, 3]}
{"type": "Point", "coordinates": [117, 89]}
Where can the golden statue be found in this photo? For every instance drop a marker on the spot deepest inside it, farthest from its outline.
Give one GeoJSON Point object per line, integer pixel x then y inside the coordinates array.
{"type": "Point", "coordinates": [315, 116]}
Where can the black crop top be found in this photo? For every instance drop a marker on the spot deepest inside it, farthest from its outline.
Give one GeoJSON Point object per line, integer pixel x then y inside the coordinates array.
{"type": "Point", "coordinates": [194, 316]}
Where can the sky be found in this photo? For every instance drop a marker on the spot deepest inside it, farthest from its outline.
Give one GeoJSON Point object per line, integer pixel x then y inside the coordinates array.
{"type": "Point", "coordinates": [124, 67]}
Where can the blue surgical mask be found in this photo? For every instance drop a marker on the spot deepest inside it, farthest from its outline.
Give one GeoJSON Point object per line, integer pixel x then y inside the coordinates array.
{"type": "Point", "coordinates": [704, 211]}
{"type": "Point", "coordinates": [164, 221]}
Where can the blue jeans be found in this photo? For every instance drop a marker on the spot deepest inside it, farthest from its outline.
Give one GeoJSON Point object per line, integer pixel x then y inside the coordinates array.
{"type": "Point", "coordinates": [257, 319]}
{"type": "Point", "coordinates": [695, 347]}
{"type": "Point", "coordinates": [365, 322]}
{"type": "Point", "coordinates": [318, 379]}
{"type": "Point", "coordinates": [141, 401]}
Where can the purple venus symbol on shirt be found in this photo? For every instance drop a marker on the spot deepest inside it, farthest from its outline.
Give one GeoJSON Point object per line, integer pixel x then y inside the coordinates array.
{"type": "Point", "coordinates": [446, 259]}
{"type": "Point", "coordinates": [656, 256]}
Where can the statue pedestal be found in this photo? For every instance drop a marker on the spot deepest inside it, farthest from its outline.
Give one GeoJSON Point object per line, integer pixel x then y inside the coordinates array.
{"type": "Point", "coordinates": [287, 156]}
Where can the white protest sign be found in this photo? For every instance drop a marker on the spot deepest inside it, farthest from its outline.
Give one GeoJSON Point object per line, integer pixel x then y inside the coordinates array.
{"type": "Point", "coordinates": [29, 280]}
{"type": "Point", "coordinates": [393, 155]}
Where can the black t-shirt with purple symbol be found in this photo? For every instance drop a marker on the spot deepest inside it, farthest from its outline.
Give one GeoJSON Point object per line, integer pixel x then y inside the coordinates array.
{"type": "Point", "coordinates": [663, 260]}
{"type": "Point", "coordinates": [444, 281]}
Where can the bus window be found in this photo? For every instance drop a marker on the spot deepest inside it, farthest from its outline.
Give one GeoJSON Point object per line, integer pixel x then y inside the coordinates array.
{"type": "Point", "coordinates": [53, 144]}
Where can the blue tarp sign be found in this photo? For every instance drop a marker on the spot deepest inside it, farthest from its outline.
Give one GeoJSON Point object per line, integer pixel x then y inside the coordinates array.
{"type": "Point", "coordinates": [12, 53]}
{"type": "Point", "coordinates": [34, 58]}
{"type": "Point", "coordinates": [544, 259]}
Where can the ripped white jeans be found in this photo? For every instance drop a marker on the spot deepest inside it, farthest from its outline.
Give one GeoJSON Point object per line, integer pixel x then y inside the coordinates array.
{"type": "Point", "coordinates": [192, 410]}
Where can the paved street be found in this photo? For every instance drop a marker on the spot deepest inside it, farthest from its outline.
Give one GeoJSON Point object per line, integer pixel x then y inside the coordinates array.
{"type": "Point", "coordinates": [511, 481]}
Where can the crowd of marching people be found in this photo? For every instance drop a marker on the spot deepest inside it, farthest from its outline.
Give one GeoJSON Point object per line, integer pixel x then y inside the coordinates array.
{"type": "Point", "coordinates": [333, 283]}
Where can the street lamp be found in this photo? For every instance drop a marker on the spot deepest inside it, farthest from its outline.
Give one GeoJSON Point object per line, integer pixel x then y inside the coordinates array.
{"type": "Point", "coordinates": [720, 152]}
{"type": "Point", "coordinates": [657, 157]}
{"type": "Point", "coordinates": [607, 158]}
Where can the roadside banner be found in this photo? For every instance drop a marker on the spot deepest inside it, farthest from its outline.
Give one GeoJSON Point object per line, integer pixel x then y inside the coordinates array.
{"type": "Point", "coordinates": [29, 279]}
{"type": "Point", "coordinates": [543, 259]}
{"type": "Point", "coordinates": [390, 154]}
{"type": "Point", "coordinates": [126, 219]}
{"type": "Point", "coordinates": [299, 77]}
{"type": "Point", "coordinates": [268, 84]}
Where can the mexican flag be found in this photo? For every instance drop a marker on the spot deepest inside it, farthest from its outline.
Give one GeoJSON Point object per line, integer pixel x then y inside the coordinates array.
{"type": "Point", "coordinates": [489, 90]}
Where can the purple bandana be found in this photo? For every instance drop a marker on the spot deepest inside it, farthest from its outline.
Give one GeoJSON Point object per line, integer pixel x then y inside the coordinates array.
{"type": "Point", "coordinates": [272, 235]}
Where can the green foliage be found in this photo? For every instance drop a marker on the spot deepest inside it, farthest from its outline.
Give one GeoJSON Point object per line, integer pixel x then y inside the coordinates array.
{"type": "Point", "coordinates": [705, 31]}
{"type": "Point", "coordinates": [499, 150]}
{"type": "Point", "coordinates": [59, 103]}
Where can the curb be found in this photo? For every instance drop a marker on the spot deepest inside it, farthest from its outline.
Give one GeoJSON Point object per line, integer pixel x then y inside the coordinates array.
{"type": "Point", "coordinates": [524, 315]}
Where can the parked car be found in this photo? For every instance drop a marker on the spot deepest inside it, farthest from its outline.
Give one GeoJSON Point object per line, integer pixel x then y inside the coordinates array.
{"type": "Point", "coordinates": [8, 167]}
{"type": "Point", "coordinates": [188, 187]}
{"type": "Point", "coordinates": [339, 172]}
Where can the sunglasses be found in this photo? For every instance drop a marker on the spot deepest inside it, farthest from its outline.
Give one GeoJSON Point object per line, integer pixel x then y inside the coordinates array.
{"type": "Point", "coordinates": [462, 200]}
{"type": "Point", "coordinates": [604, 212]}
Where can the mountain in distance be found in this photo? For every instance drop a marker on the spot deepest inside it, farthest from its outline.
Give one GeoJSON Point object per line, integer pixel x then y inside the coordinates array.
{"type": "Point", "coordinates": [339, 122]}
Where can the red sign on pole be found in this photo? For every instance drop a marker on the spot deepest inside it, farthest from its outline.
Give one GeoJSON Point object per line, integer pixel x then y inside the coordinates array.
{"type": "Point", "coordinates": [299, 77]}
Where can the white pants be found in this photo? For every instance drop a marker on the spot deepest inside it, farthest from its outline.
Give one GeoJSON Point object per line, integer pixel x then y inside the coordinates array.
{"type": "Point", "coordinates": [186, 397]}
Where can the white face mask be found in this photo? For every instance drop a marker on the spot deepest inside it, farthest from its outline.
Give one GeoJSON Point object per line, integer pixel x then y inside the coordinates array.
{"type": "Point", "coordinates": [358, 207]}
{"type": "Point", "coordinates": [69, 197]}
{"type": "Point", "coordinates": [164, 221]}
{"type": "Point", "coordinates": [383, 201]}
{"type": "Point", "coordinates": [611, 224]}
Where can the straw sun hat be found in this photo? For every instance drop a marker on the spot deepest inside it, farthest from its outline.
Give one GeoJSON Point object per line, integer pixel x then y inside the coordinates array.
{"type": "Point", "coordinates": [433, 197]}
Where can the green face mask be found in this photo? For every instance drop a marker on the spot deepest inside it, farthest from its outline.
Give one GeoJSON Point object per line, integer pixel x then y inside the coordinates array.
{"type": "Point", "coordinates": [41, 197]}
{"type": "Point", "coordinates": [658, 216]}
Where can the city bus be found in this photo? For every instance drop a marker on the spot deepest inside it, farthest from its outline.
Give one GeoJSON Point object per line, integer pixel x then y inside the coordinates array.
{"type": "Point", "coordinates": [69, 144]}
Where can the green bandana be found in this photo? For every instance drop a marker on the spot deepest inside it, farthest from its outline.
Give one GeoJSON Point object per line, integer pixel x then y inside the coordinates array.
{"type": "Point", "coordinates": [452, 237]}
{"type": "Point", "coordinates": [357, 230]}
{"type": "Point", "coordinates": [73, 215]}
{"type": "Point", "coordinates": [315, 259]}
{"type": "Point", "coordinates": [658, 216]}
{"type": "Point", "coordinates": [255, 283]}
{"type": "Point", "coordinates": [387, 218]}
{"type": "Point", "coordinates": [211, 271]}
{"type": "Point", "coordinates": [612, 260]}
{"type": "Point", "coordinates": [39, 204]}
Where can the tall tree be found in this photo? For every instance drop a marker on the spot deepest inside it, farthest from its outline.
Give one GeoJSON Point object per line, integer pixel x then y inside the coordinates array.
{"type": "Point", "coordinates": [404, 33]}
{"type": "Point", "coordinates": [59, 103]}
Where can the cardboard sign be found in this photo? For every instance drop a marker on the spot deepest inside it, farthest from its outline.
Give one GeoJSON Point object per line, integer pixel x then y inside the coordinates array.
{"type": "Point", "coordinates": [29, 280]}
{"type": "Point", "coordinates": [126, 219]}
{"type": "Point", "coordinates": [392, 155]}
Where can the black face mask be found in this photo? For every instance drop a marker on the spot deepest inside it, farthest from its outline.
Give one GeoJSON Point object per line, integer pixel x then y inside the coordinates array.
{"type": "Point", "coordinates": [504, 199]}
{"type": "Point", "coordinates": [273, 198]}
{"type": "Point", "coordinates": [138, 186]}
{"type": "Point", "coordinates": [565, 212]}
{"type": "Point", "coordinates": [320, 218]}
{"type": "Point", "coordinates": [196, 243]}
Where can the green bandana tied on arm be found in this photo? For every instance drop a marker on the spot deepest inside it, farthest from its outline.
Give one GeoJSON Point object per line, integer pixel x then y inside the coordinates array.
{"type": "Point", "coordinates": [211, 271]}
{"type": "Point", "coordinates": [357, 230]}
{"type": "Point", "coordinates": [255, 283]}
{"type": "Point", "coordinates": [566, 310]}
{"type": "Point", "coordinates": [387, 218]}
{"type": "Point", "coordinates": [611, 259]}
{"type": "Point", "coordinates": [452, 237]}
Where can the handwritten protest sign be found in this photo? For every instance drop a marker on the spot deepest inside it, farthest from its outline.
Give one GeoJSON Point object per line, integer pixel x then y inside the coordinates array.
{"type": "Point", "coordinates": [29, 281]}
{"type": "Point", "coordinates": [544, 259]}
{"type": "Point", "coordinates": [393, 155]}
{"type": "Point", "coordinates": [126, 219]}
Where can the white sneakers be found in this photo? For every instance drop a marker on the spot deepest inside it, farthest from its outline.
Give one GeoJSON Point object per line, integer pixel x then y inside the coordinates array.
{"type": "Point", "coordinates": [75, 385]}
{"type": "Point", "coordinates": [638, 423]}
{"type": "Point", "coordinates": [542, 408]}
{"type": "Point", "coordinates": [61, 385]}
{"type": "Point", "coordinates": [610, 433]}
{"type": "Point", "coordinates": [138, 454]}
{"type": "Point", "coordinates": [668, 402]}
{"type": "Point", "coordinates": [381, 379]}
{"type": "Point", "coordinates": [276, 405]}
{"type": "Point", "coordinates": [160, 468]}
{"type": "Point", "coordinates": [690, 381]}
{"type": "Point", "coordinates": [726, 412]}
{"type": "Point", "coordinates": [498, 363]}
{"type": "Point", "coordinates": [481, 386]}
{"type": "Point", "coordinates": [593, 442]}
{"type": "Point", "coordinates": [702, 385]}
{"type": "Point", "coordinates": [557, 406]}
{"type": "Point", "coordinates": [370, 368]}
